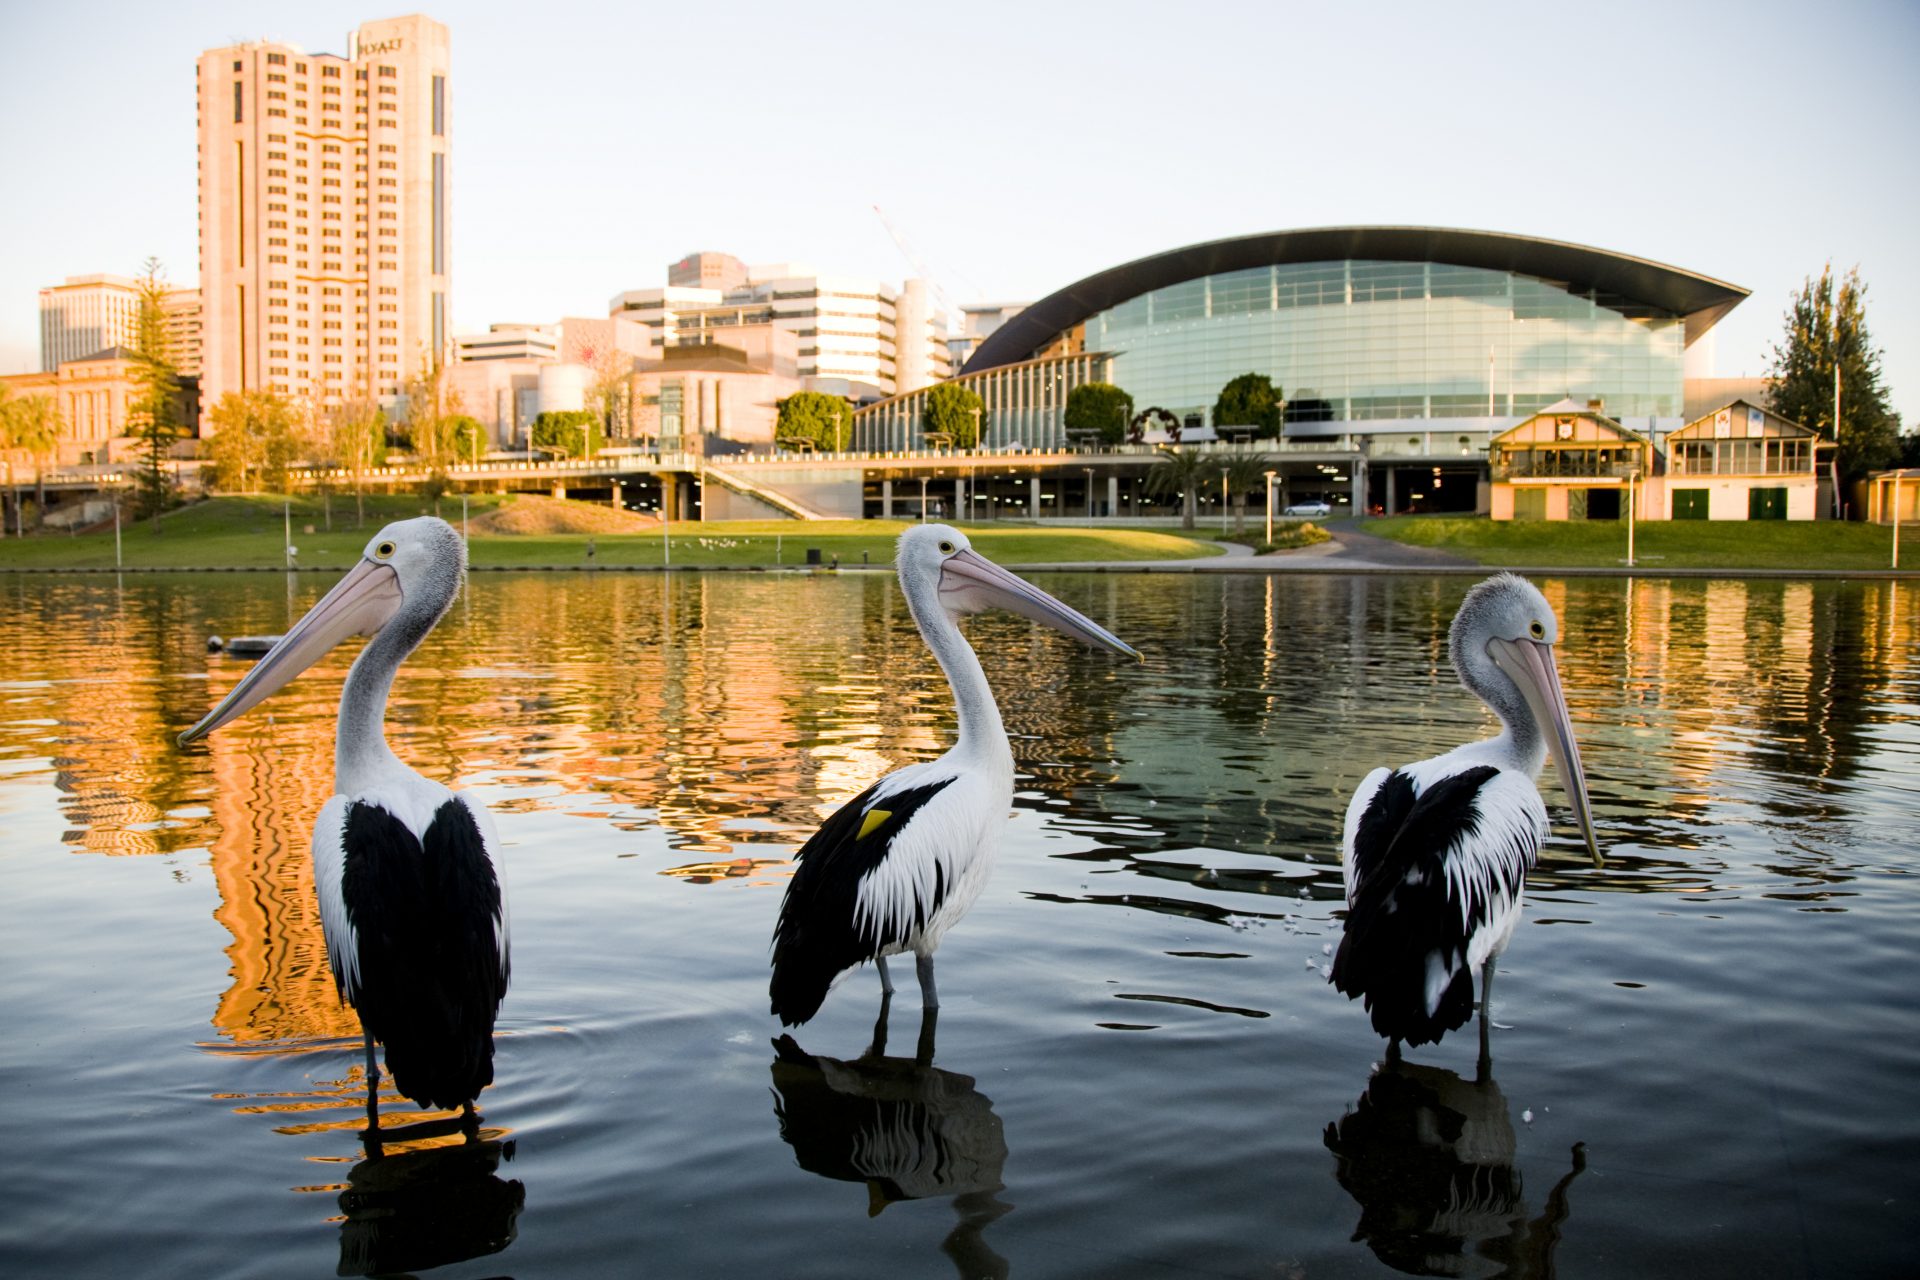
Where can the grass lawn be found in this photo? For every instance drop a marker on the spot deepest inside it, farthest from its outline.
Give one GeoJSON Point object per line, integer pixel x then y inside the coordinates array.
{"type": "Point", "coordinates": [240, 532]}
{"type": "Point", "coordinates": [1670, 544]}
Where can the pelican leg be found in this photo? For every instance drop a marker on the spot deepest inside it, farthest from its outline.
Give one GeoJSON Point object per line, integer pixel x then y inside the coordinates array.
{"type": "Point", "coordinates": [929, 996]}
{"type": "Point", "coordinates": [1486, 1015]}
{"type": "Point", "coordinates": [879, 1046]}
{"type": "Point", "coordinates": [373, 1092]}
{"type": "Point", "coordinates": [923, 1048]}
{"type": "Point", "coordinates": [886, 983]}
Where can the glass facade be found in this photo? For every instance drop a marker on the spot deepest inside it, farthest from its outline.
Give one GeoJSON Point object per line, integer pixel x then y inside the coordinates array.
{"type": "Point", "coordinates": [1023, 406]}
{"type": "Point", "coordinates": [1376, 340]}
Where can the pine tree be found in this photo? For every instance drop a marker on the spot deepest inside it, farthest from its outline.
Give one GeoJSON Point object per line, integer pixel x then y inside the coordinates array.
{"type": "Point", "coordinates": [1825, 330]}
{"type": "Point", "coordinates": [154, 416]}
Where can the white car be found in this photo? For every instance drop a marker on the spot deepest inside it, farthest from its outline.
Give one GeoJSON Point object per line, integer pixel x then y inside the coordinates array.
{"type": "Point", "coordinates": [1312, 508]}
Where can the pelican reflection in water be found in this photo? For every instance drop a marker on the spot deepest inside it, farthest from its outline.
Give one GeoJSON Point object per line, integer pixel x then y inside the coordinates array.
{"type": "Point", "coordinates": [427, 1207]}
{"type": "Point", "coordinates": [1430, 1158]}
{"type": "Point", "coordinates": [907, 1129]}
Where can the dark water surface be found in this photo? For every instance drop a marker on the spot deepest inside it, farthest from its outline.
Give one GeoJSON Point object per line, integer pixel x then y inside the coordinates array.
{"type": "Point", "coordinates": [1710, 1056]}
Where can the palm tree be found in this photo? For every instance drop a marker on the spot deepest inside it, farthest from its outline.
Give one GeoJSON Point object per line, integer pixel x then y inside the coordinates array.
{"type": "Point", "coordinates": [33, 423]}
{"type": "Point", "coordinates": [1179, 471]}
{"type": "Point", "coordinates": [1243, 473]}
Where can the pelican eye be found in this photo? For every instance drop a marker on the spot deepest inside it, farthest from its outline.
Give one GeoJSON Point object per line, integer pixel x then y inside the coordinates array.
{"type": "Point", "coordinates": [385, 549]}
{"type": "Point", "coordinates": [1538, 630]}
{"type": "Point", "coordinates": [946, 548]}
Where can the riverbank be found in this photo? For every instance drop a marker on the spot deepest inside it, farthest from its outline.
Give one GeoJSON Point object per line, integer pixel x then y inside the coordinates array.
{"type": "Point", "coordinates": [241, 533]}
{"type": "Point", "coordinates": [1731, 545]}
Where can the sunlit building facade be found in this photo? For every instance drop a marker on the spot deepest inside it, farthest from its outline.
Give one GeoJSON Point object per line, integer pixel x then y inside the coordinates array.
{"type": "Point", "coordinates": [324, 202]}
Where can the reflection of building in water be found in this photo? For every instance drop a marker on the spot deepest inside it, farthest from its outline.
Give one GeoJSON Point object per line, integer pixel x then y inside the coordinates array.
{"type": "Point", "coordinates": [265, 801]}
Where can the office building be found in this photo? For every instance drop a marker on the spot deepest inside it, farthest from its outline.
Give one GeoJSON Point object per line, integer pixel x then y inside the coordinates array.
{"type": "Point", "coordinates": [324, 191]}
{"type": "Point", "coordinates": [509, 342]}
{"type": "Point", "coordinates": [850, 330]}
{"type": "Point", "coordinates": [85, 314]}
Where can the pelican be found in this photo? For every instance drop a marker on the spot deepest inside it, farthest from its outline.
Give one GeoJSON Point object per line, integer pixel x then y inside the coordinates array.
{"type": "Point", "coordinates": [408, 872]}
{"type": "Point", "coordinates": [901, 862]}
{"type": "Point", "coordinates": [1437, 852]}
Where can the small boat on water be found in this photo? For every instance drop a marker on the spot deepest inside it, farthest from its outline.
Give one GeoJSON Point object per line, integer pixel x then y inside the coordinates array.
{"type": "Point", "coordinates": [242, 646]}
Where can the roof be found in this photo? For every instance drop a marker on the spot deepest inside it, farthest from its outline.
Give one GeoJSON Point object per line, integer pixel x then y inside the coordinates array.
{"type": "Point", "coordinates": [106, 353]}
{"type": "Point", "coordinates": [1570, 408]}
{"type": "Point", "coordinates": [1702, 300]}
{"type": "Point", "coordinates": [1702, 420]}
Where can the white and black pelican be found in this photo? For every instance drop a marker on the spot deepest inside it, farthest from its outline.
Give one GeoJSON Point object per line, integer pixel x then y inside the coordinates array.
{"type": "Point", "coordinates": [1437, 853]}
{"type": "Point", "coordinates": [408, 872]}
{"type": "Point", "coordinates": [901, 862]}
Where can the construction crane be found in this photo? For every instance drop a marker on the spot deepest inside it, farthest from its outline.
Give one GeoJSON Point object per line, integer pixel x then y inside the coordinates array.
{"type": "Point", "coordinates": [919, 267]}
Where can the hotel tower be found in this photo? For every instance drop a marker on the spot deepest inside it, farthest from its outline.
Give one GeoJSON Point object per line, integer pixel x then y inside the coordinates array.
{"type": "Point", "coordinates": [323, 213]}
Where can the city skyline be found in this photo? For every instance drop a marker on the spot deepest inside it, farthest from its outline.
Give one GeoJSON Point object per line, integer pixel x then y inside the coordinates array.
{"type": "Point", "coordinates": [1027, 149]}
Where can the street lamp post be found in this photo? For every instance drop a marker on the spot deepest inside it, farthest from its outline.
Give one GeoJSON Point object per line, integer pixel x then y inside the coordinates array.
{"type": "Point", "coordinates": [1270, 476]}
{"type": "Point", "coordinates": [1089, 473]}
{"type": "Point", "coordinates": [923, 498]}
{"type": "Point", "coordinates": [1632, 477]}
{"type": "Point", "coordinates": [1223, 499]}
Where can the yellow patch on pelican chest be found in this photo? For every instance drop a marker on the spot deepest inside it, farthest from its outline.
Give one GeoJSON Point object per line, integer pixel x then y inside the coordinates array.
{"type": "Point", "coordinates": [875, 819]}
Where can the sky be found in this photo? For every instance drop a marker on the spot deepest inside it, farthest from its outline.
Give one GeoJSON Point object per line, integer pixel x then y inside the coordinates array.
{"type": "Point", "coordinates": [1019, 147]}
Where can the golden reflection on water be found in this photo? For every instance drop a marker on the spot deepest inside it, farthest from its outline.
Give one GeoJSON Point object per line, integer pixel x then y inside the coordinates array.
{"type": "Point", "coordinates": [735, 711]}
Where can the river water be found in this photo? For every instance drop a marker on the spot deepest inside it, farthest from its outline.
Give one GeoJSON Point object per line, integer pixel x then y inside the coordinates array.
{"type": "Point", "coordinates": [1707, 1055]}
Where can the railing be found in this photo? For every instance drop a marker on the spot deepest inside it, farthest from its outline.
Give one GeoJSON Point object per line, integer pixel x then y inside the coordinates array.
{"type": "Point", "coordinates": [1563, 465]}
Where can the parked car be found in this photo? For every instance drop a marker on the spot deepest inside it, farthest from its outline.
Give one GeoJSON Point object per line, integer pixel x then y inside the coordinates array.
{"type": "Point", "coordinates": [1314, 507]}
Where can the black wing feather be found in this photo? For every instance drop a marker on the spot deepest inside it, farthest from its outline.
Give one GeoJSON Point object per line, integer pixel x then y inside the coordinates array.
{"type": "Point", "coordinates": [816, 940]}
{"type": "Point", "coordinates": [1404, 910]}
{"type": "Point", "coordinates": [431, 973]}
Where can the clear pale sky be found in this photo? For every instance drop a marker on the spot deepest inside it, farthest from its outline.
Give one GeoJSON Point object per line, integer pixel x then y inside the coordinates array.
{"type": "Point", "coordinates": [1022, 146]}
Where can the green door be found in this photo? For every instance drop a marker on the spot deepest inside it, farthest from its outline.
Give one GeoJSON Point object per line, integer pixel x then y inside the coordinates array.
{"type": "Point", "coordinates": [1689, 504]}
{"type": "Point", "coordinates": [1530, 504]}
{"type": "Point", "coordinates": [1766, 504]}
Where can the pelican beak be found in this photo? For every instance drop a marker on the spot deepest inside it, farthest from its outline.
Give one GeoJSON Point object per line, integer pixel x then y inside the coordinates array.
{"type": "Point", "coordinates": [1529, 663]}
{"type": "Point", "coordinates": [359, 604]}
{"type": "Point", "coordinates": [970, 582]}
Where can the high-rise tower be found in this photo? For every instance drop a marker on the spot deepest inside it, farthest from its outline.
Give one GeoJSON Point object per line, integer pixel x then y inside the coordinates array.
{"type": "Point", "coordinates": [324, 190]}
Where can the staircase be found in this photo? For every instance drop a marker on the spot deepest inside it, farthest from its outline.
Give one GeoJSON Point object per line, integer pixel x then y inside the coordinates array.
{"type": "Point", "coordinates": [760, 493]}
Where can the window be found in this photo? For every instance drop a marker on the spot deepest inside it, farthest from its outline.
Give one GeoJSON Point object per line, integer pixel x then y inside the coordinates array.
{"type": "Point", "coordinates": [440, 106]}
{"type": "Point", "coordinates": [439, 232]}
{"type": "Point", "coordinates": [236, 97]}
{"type": "Point", "coordinates": [273, 60]}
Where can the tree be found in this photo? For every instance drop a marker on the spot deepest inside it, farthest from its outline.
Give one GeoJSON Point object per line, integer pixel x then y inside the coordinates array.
{"type": "Point", "coordinates": [824, 421]}
{"type": "Point", "coordinates": [607, 395]}
{"type": "Point", "coordinates": [1250, 400]}
{"type": "Point", "coordinates": [1243, 473]}
{"type": "Point", "coordinates": [354, 436]}
{"type": "Point", "coordinates": [32, 423]}
{"type": "Point", "coordinates": [1099, 407]}
{"type": "Point", "coordinates": [1179, 471]}
{"type": "Point", "coordinates": [573, 433]}
{"type": "Point", "coordinates": [953, 411]}
{"type": "Point", "coordinates": [432, 408]}
{"type": "Point", "coordinates": [466, 437]}
{"type": "Point", "coordinates": [1826, 330]}
{"type": "Point", "coordinates": [256, 440]}
{"type": "Point", "coordinates": [1150, 419]}
{"type": "Point", "coordinates": [154, 416]}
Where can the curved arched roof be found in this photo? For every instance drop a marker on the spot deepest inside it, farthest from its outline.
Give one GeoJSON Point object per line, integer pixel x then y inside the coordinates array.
{"type": "Point", "coordinates": [1701, 299]}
